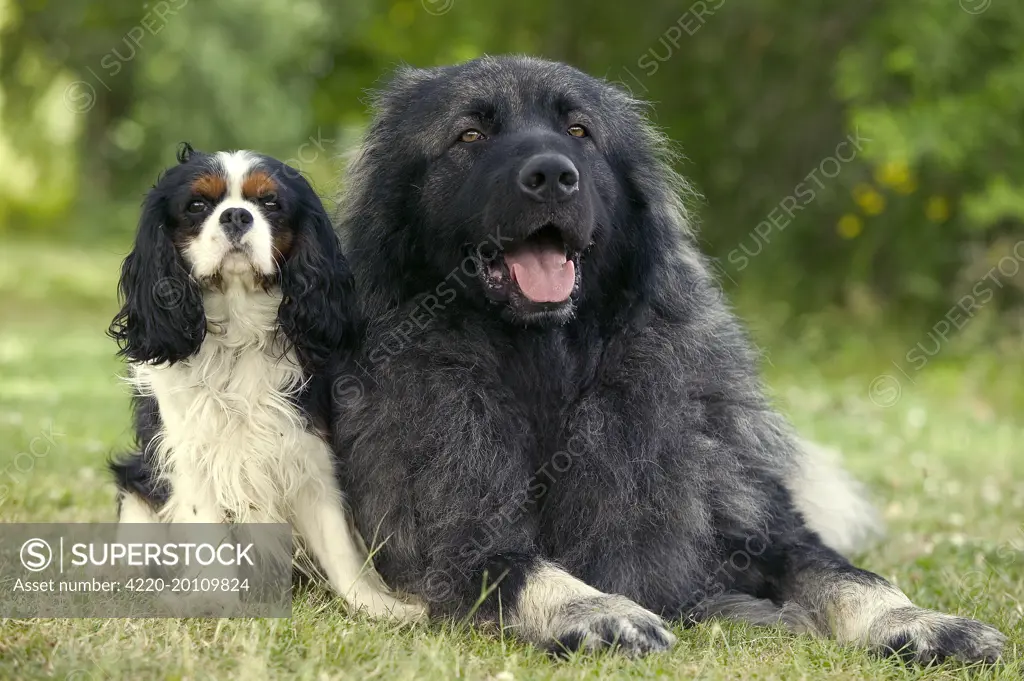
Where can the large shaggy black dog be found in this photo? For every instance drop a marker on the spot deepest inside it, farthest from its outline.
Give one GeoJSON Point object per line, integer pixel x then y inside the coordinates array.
{"type": "Point", "coordinates": [562, 422]}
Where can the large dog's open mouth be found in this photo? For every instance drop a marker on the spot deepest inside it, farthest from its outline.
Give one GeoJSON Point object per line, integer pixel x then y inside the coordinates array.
{"type": "Point", "coordinates": [536, 274]}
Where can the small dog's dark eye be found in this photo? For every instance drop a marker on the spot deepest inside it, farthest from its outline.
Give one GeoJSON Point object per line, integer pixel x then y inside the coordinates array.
{"type": "Point", "coordinates": [577, 131]}
{"type": "Point", "coordinates": [196, 207]}
{"type": "Point", "coordinates": [269, 202]}
{"type": "Point", "coordinates": [472, 136]}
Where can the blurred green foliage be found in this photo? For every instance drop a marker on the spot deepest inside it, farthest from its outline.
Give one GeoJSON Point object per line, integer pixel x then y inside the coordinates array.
{"type": "Point", "coordinates": [922, 201]}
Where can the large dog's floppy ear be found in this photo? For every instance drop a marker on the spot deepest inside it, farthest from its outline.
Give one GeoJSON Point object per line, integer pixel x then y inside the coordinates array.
{"type": "Point", "coordinates": [162, 318]}
{"type": "Point", "coordinates": [317, 288]}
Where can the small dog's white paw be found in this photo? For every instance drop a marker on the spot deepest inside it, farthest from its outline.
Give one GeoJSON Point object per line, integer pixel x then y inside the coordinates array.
{"type": "Point", "coordinates": [381, 605]}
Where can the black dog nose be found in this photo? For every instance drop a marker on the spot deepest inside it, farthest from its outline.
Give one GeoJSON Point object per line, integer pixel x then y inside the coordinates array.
{"type": "Point", "coordinates": [235, 222]}
{"type": "Point", "coordinates": [549, 177]}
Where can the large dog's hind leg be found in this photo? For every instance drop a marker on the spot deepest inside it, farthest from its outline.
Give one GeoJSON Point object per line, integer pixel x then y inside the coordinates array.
{"type": "Point", "coordinates": [859, 607]}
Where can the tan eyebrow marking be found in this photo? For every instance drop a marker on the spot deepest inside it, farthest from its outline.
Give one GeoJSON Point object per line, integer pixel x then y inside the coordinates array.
{"type": "Point", "coordinates": [212, 186]}
{"type": "Point", "coordinates": [258, 183]}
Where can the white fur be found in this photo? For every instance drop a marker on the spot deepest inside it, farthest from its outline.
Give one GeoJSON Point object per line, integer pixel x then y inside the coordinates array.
{"type": "Point", "coordinates": [135, 511]}
{"type": "Point", "coordinates": [547, 590]}
{"type": "Point", "coordinates": [880, 616]}
{"type": "Point", "coordinates": [855, 607]}
{"type": "Point", "coordinates": [833, 503]}
{"type": "Point", "coordinates": [554, 605]}
{"type": "Point", "coordinates": [234, 447]}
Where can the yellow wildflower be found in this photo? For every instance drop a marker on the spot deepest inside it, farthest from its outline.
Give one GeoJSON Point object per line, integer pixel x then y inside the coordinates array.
{"type": "Point", "coordinates": [892, 173]}
{"type": "Point", "coordinates": [936, 209]}
{"type": "Point", "coordinates": [849, 226]}
{"type": "Point", "coordinates": [869, 199]}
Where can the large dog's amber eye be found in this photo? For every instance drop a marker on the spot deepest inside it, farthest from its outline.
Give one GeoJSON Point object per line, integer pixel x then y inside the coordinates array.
{"type": "Point", "coordinates": [577, 131]}
{"type": "Point", "coordinates": [472, 136]}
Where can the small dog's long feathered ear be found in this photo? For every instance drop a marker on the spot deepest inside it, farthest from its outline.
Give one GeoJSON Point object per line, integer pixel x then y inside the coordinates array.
{"type": "Point", "coordinates": [162, 318]}
{"type": "Point", "coordinates": [317, 309]}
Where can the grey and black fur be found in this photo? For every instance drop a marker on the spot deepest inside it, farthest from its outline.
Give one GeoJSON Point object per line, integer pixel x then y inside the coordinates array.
{"type": "Point", "coordinates": [585, 468]}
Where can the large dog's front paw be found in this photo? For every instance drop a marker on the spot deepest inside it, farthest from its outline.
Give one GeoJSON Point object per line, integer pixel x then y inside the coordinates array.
{"type": "Point", "coordinates": [609, 621]}
{"type": "Point", "coordinates": [928, 636]}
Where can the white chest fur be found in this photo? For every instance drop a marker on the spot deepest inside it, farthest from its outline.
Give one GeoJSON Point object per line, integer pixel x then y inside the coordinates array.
{"type": "Point", "coordinates": [233, 439]}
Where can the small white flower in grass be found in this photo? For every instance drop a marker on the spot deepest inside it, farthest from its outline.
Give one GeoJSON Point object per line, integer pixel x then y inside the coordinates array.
{"type": "Point", "coordinates": [916, 418]}
{"type": "Point", "coordinates": [956, 520]}
{"type": "Point", "coordinates": [990, 492]}
{"type": "Point", "coordinates": [13, 418]}
{"type": "Point", "coordinates": [13, 350]}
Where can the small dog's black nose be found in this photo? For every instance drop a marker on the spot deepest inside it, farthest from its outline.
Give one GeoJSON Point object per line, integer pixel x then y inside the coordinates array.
{"type": "Point", "coordinates": [235, 222]}
{"type": "Point", "coordinates": [549, 177]}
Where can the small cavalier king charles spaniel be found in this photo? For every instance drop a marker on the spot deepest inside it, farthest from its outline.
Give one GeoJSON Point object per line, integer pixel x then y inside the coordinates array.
{"type": "Point", "coordinates": [238, 307]}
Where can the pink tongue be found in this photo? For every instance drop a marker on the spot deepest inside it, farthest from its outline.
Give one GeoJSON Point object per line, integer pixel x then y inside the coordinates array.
{"type": "Point", "coordinates": [543, 273]}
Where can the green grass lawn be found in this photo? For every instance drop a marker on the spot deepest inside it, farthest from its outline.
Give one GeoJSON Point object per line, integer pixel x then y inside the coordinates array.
{"type": "Point", "coordinates": [945, 463]}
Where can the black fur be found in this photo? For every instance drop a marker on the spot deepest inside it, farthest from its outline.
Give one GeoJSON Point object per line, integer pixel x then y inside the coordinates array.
{"type": "Point", "coordinates": [161, 319]}
{"type": "Point", "coordinates": [136, 472]}
{"type": "Point", "coordinates": [185, 152]}
{"type": "Point", "coordinates": [317, 312]}
{"type": "Point", "coordinates": [623, 435]}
